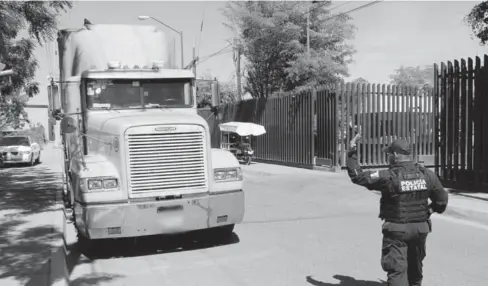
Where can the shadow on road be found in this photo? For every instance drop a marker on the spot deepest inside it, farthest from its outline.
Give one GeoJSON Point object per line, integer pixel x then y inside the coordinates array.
{"type": "Point", "coordinates": [93, 279]}
{"type": "Point", "coordinates": [26, 194]}
{"type": "Point", "coordinates": [150, 245]}
{"type": "Point", "coordinates": [344, 281]}
{"type": "Point", "coordinates": [28, 190]}
{"type": "Point", "coordinates": [130, 247]}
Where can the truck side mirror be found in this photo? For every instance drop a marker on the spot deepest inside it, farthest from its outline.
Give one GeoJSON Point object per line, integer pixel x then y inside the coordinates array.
{"type": "Point", "coordinates": [215, 94]}
{"type": "Point", "coordinates": [68, 125]}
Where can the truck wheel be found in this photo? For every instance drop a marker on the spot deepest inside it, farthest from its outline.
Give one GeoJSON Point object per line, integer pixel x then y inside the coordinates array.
{"type": "Point", "coordinates": [248, 160]}
{"type": "Point", "coordinates": [84, 244]}
{"type": "Point", "coordinates": [221, 234]}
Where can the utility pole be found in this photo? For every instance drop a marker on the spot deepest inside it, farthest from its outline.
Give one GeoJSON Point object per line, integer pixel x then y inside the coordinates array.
{"type": "Point", "coordinates": [308, 28]}
{"type": "Point", "coordinates": [237, 61]}
{"type": "Point", "coordinates": [174, 53]}
{"type": "Point", "coordinates": [308, 32]}
{"type": "Point", "coordinates": [194, 62]}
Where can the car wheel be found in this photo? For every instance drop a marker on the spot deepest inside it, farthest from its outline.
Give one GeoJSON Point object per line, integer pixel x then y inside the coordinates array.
{"type": "Point", "coordinates": [38, 160]}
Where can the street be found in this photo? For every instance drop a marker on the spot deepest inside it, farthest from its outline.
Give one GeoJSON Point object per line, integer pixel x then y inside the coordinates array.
{"type": "Point", "coordinates": [301, 227]}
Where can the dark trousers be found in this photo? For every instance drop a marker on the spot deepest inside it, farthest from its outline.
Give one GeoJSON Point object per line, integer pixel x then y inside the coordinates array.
{"type": "Point", "coordinates": [403, 251]}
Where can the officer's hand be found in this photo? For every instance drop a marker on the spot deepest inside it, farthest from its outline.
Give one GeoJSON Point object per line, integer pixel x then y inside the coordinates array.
{"type": "Point", "coordinates": [354, 140]}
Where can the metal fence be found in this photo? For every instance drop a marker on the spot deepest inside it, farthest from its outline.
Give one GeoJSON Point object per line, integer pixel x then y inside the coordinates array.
{"type": "Point", "coordinates": [462, 127]}
{"type": "Point", "coordinates": [313, 128]}
{"type": "Point", "coordinates": [289, 127]}
{"type": "Point", "coordinates": [384, 113]}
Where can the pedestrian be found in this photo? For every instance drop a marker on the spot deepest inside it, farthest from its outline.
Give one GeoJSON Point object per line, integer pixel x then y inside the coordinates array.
{"type": "Point", "coordinates": [405, 189]}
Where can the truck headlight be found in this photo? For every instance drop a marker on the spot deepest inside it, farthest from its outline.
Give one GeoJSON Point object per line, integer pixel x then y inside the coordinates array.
{"type": "Point", "coordinates": [230, 174]}
{"type": "Point", "coordinates": [110, 183]}
{"type": "Point", "coordinates": [94, 184]}
{"type": "Point", "coordinates": [99, 184]}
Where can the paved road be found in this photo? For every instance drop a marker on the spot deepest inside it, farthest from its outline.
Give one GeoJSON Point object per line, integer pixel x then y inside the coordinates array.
{"type": "Point", "coordinates": [301, 228]}
{"type": "Point", "coordinates": [27, 196]}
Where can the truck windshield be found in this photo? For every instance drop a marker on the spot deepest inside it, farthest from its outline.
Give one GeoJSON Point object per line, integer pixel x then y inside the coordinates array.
{"type": "Point", "coordinates": [128, 94]}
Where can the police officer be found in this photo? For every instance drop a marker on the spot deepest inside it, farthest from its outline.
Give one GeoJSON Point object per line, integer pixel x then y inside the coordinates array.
{"type": "Point", "coordinates": [405, 189]}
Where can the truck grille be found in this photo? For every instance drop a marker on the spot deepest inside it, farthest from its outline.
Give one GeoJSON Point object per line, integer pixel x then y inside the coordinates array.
{"type": "Point", "coordinates": [166, 161]}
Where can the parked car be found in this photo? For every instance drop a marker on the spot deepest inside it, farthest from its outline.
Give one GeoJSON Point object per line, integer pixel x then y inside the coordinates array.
{"type": "Point", "coordinates": [20, 149]}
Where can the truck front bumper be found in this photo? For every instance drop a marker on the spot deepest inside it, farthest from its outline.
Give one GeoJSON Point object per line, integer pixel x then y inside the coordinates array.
{"type": "Point", "coordinates": [159, 217]}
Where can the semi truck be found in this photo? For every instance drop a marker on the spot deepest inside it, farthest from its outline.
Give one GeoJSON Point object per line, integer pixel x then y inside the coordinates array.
{"type": "Point", "coordinates": [137, 156]}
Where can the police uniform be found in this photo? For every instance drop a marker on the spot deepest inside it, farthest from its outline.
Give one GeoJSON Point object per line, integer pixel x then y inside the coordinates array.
{"type": "Point", "coordinates": [405, 189]}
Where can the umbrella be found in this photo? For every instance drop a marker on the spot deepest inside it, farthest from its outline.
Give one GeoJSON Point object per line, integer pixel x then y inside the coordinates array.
{"type": "Point", "coordinates": [243, 128]}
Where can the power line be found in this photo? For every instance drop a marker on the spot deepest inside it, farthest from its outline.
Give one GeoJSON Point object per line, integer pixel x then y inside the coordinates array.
{"type": "Point", "coordinates": [202, 59]}
{"type": "Point", "coordinates": [355, 9]}
{"type": "Point", "coordinates": [216, 53]}
{"type": "Point", "coordinates": [223, 50]}
{"type": "Point", "coordinates": [343, 13]}
{"type": "Point", "coordinates": [338, 6]}
{"type": "Point", "coordinates": [315, 8]}
{"type": "Point", "coordinates": [221, 53]}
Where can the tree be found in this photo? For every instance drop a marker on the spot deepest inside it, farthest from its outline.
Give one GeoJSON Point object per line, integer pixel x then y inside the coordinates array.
{"type": "Point", "coordinates": [272, 38]}
{"type": "Point", "coordinates": [413, 76]}
{"type": "Point", "coordinates": [39, 18]}
{"type": "Point", "coordinates": [421, 78]}
{"type": "Point", "coordinates": [227, 90]}
{"type": "Point", "coordinates": [360, 80]}
{"type": "Point", "coordinates": [478, 20]}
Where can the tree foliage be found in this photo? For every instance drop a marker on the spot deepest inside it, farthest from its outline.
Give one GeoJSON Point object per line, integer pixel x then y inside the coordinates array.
{"type": "Point", "coordinates": [413, 76]}
{"type": "Point", "coordinates": [227, 90]}
{"type": "Point", "coordinates": [360, 80]}
{"type": "Point", "coordinates": [421, 78]}
{"type": "Point", "coordinates": [478, 20]}
{"type": "Point", "coordinates": [272, 36]}
{"type": "Point", "coordinates": [39, 19]}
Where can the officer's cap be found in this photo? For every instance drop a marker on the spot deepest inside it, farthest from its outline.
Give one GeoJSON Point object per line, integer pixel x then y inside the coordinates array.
{"type": "Point", "coordinates": [399, 146]}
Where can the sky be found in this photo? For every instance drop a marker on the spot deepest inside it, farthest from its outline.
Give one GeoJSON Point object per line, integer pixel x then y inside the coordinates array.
{"type": "Point", "coordinates": [389, 34]}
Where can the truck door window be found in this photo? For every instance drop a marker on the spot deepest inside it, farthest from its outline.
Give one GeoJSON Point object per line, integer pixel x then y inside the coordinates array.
{"type": "Point", "coordinates": [174, 93]}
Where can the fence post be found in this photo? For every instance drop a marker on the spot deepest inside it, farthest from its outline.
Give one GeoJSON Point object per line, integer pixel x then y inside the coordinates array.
{"type": "Point", "coordinates": [312, 109]}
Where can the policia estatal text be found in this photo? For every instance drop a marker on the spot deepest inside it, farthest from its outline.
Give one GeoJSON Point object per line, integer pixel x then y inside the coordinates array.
{"type": "Point", "coordinates": [405, 189]}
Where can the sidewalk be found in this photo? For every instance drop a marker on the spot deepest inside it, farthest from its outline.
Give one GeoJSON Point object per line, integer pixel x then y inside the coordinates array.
{"type": "Point", "coordinates": [28, 214]}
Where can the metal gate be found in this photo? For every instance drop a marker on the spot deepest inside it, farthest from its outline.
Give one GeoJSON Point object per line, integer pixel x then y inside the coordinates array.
{"type": "Point", "coordinates": [325, 128]}
{"type": "Point", "coordinates": [461, 150]}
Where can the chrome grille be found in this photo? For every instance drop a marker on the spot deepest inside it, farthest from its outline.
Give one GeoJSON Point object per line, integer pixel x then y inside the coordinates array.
{"type": "Point", "coordinates": [166, 161]}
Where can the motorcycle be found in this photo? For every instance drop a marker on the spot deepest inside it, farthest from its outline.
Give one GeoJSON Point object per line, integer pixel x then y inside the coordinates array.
{"type": "Point", "coordinates": [237, 137]}
{"type": "Point", "coordinates": [246, 154]}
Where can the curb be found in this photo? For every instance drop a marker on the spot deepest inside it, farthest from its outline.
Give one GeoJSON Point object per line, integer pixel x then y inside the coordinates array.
{"type": "Point", "coordinates": [58, 269]}
{"type": "Point", "coordinates": [467, 207]}
{"type": "Point", "coordinates": [464, 208]}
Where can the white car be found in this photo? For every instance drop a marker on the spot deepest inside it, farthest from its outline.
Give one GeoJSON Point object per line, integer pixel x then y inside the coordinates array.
{"type": "Point", "coordinates": [19, 149]}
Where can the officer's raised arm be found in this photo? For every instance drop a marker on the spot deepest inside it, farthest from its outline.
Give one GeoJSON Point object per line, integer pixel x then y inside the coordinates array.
{"type": "Point", "coordinates": [372, 180]}
{"type": "Point", "coordinates": [438, 195]}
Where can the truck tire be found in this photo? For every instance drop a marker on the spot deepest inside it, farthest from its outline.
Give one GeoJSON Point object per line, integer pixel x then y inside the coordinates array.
{"type": "Point", "coordinates": [221, 233]}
